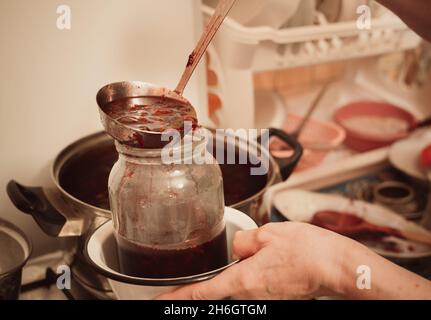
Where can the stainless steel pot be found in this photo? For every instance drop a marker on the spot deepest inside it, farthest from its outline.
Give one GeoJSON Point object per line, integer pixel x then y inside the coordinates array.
{"type": "Point", "coordinates": [77, 201]}
{"type": "Point", "coordinates": [15, 250]}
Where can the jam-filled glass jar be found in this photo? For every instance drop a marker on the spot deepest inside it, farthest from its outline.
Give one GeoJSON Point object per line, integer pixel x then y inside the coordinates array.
{"type": "Point", "coordinates": [168, 210]}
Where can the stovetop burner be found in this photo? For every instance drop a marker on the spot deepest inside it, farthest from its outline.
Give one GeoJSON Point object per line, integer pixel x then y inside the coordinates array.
{"type": "Point", "coordinates": [40, 281]}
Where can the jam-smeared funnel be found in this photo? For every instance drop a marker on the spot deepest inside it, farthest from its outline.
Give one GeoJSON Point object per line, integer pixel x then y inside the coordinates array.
{"type": "Point", "coordinates": [137, 113]}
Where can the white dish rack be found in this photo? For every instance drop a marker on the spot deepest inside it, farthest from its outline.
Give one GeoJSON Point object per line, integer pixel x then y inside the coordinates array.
{"type": "Point", "coordinates": [238, 52]}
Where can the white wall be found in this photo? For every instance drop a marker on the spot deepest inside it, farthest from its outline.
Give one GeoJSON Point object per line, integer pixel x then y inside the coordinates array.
{"type": "Point", "coordinates": [49, 78]}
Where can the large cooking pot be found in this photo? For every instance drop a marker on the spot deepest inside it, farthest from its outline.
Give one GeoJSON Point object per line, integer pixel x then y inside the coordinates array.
{"type": "Point", "coordinates": [78, 201]}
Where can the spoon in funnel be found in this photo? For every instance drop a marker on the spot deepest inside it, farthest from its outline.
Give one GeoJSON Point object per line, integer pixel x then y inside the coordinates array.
{"type": "Point", "coordinates": [217, 19]}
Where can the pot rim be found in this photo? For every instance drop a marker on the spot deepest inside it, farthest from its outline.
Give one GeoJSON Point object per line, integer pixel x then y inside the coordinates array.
{"type": "Point", "coordinates": [26, 239]}
{"type": "Point", "coordinates": [272, 176]}
{"type": "Point", "coordinates": [65, 154]}
{"type": "Point", "coordinates": [61, 159]}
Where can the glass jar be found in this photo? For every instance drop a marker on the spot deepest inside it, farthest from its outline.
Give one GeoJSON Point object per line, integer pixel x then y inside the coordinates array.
{"type": "Point", "coordinates": [168, 215]}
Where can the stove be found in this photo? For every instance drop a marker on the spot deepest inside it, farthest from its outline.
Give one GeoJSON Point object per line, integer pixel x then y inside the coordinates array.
{"type": "Point", "coordinates": [40, 277]}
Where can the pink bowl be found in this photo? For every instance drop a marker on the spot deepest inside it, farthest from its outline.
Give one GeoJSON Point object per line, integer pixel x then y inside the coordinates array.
{"type": "Point", "coordinates": [316, 132]}
{"type": "Point", "coordinates": [327, 135]}
{"type": "Point", "coordinates": [362, 141]}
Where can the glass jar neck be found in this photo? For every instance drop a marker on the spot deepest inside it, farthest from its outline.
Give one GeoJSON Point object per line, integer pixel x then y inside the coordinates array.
{"type": "Point", "coordinates": [189, 147]}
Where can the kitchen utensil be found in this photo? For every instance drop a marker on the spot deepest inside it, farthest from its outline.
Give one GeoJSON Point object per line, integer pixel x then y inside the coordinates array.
{"type": "Point", "coordinates": [124, 108]}
{"type": "Point", "coordinates": [299, 205]}
{"type": "Point", "coordinates": [352, 226]}
{"type": "Point", "coordinates": [310, 111]}
{"type": "Point", "coordinates": [405, 154]}
{"type": "Point", "coordinates": [323, 135]}
{"type": "Point", "coordinates": [398, 197]}
{"type": "Point", "coordinates": [15, 250]}
{"type": "Point", "coordinates": [366, 139]}
{"type": "Point", "coordinates": [316, 137]}
{"type": "Point", "coordinates": [214, 24]}
{"type": "Point", "coordinates": [316, 134]}
{"type": "Point", "coordinates": [100, 252]}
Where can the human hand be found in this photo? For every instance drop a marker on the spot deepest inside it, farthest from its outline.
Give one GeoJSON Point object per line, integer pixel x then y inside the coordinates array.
{"type": "Point", "coordinates": [279, 261]}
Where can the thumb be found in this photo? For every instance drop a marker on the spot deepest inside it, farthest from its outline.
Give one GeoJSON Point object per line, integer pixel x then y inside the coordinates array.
{"type": "Point", "coordinates": [245, 244]}
{"type": "Point", "coordinates": [224, 285]}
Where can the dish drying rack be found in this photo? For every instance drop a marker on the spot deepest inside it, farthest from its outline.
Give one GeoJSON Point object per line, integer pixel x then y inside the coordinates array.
{"type": "Point", "coordinates": [238, 52]}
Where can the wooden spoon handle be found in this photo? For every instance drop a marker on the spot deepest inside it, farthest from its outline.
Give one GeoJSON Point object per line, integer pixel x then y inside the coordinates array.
{"type": "Point", "coordinates": [217, 19]}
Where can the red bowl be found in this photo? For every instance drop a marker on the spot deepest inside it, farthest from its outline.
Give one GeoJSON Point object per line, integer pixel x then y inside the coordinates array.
{"type": "Point", "coordinates": [362, 141]}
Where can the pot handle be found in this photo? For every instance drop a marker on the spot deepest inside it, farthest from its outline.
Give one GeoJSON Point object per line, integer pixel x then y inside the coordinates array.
{"type": "Point", "coordinates": [287, 165]}
{"type": "Point", "coordinates": [32, 201]}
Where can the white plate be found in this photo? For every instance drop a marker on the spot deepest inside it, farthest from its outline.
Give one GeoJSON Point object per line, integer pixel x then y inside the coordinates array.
{"type": "Point", "coordinates": [405, 154]}
{"type": "Point", "coordinates": [299, 205]}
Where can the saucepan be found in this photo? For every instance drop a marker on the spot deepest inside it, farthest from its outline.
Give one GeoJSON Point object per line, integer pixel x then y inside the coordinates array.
{"type": "Point", "coordinates": [101, 253]}
{"type": "Point", "coordinates": [15, 250]}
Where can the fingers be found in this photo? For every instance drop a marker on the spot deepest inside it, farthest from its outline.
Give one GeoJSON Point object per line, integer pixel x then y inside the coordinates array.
{"type": "Point", "coordinates": [228, 283]}
{"type": "Point", "coordinates": [248, 243]}
{"type": "Point", "coordinates": [223, 286]}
